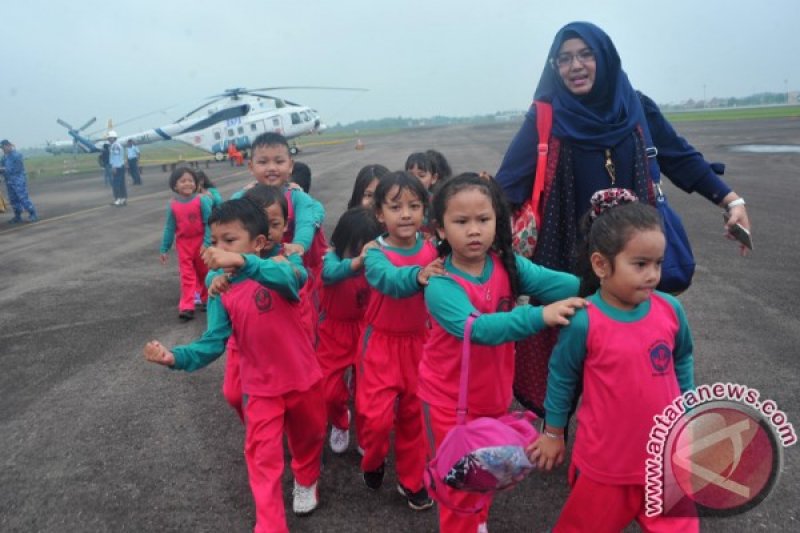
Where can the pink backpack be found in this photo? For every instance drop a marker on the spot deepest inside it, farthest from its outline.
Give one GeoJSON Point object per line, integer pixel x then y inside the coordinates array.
{"type": "Point", "coordinates": [484, 455]}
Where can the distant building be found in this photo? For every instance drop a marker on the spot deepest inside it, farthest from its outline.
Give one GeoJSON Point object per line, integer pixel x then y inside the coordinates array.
{"type": "Point", "coordinates": [793, 97]}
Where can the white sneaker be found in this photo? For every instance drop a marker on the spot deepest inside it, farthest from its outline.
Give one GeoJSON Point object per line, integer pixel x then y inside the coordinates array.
{"type": "Point", "coordinates": [305, 500]}
{"type": "Point", "coordinates": [339, 440]}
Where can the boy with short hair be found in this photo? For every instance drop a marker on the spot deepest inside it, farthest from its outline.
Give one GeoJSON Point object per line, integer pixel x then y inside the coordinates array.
{"type": "Point", "coordinates": [280, 375]}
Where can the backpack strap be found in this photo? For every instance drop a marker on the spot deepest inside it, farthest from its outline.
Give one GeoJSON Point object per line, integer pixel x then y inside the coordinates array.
{"type": "Point", "coordinates": [461, 408]}
{"type": "Point", "coordinates": [544, 123]}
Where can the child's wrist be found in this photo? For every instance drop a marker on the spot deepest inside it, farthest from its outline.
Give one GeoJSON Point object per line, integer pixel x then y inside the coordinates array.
{"type": "Point", "coordinates": [553, 433]}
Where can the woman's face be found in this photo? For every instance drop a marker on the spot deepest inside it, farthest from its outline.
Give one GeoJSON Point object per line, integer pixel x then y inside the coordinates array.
{"type": "Point", "coordinates": [577, 66]}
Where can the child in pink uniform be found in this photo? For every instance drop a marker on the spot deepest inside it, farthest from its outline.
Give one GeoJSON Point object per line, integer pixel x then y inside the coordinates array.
{"type": "Point", "coordinates": [187, 217]}
{"type": "Point", "coordinates": [281, 378]}
{"type": "Point", "coordinates": [396, 328]}
{"type": "Point", "coordinates": [365, 185]}
{"type": "Point", "coordinates": [484, 276]}
{"type": "Point", "coordinates": [271, 164]}
{"type": "Point", "coordinates": [632, 349]}
{"type": "Point", "coordinates": [344, 294]}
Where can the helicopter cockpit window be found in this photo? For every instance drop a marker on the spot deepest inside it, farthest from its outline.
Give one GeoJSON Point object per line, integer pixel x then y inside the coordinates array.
{"type": "Point", "coordinates": [305, 116]}
{"type": "Point", "coordinates": [295, 118]}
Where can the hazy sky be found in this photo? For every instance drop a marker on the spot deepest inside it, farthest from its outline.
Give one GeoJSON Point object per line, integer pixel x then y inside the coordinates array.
{"type": "Point", "coordinates": [418, 58]}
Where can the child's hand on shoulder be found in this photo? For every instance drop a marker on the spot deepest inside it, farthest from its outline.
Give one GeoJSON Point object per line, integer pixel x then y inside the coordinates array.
{"type": "Point", "coordinates": [155, 352]}
{"type": "Point", "coordinates": [434, 268]}
{"type": "Point", "coordinates": [293, 249]}
{"type": "Point", "coordinates": [358, 262]}
{"type": "Point", "coordinates": [280, 259]}
{"type": "Point", "coordinates": [293, 185]}
{"type": "Point", "coordinates": [219, 285]}
{"type": "Point", "coordinates": [548, 450]}
{"type": "Point", "coordinates": [163, 258]}
{"type": "Point", "coordinates": [558, 313]}
{"type": "Point", "coordinates": [215, 258]}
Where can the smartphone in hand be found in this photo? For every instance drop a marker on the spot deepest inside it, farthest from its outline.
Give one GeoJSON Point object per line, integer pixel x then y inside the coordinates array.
{"type": "Point", "coordinates": [739, 232]}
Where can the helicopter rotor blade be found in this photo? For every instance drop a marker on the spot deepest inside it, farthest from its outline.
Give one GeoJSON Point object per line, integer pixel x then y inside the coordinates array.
{"type": "Point", "coordinates": [264, 96]}
{"type": "Point", "coordinates": [193, 111]}
{"type": "Point", "coordinates": [313, 87]}
{"type": "Point", "coordinates": [88, 123]}
{"type": "Point", "coordinates": [65, 124]}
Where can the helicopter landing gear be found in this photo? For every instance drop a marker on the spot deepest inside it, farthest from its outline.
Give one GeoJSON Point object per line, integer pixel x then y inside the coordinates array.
{"type": "Point", "coordinates": [219, 156]}
{"type": "Point", "coordinates": [293, 149]}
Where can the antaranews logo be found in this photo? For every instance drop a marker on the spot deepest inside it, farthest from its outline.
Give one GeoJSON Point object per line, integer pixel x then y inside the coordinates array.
{"type": "Point", "coordinates": [719, 447]}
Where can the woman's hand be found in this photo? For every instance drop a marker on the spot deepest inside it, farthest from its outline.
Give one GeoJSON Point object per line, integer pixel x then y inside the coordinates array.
{"type": "Point", "coordinates": [738, 215]}
{"type": "Point", "coordinates": [548, 450]}
{"type": "Point", "coordinates": [163, 258]}
{"type": "Point", "coordinates": [558, 313]}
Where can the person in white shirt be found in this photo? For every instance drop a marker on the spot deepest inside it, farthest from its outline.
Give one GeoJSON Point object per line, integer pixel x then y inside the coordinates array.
{"type": "Point", "coordinates": [133, 162]}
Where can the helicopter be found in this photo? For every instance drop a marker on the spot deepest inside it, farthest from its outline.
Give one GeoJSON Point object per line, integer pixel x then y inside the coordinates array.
{"type": "Point", "coordinates": [236, 116]}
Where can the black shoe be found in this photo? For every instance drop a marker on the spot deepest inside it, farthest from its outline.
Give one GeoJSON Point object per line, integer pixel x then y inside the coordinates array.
{"type": "Point", "coordinates": [374, 479]}
{"type": "Point", "coordinates": [200, 306]}
{"type": "Point", "coordinates": [186, 315]}
{"type": "Point", "coordinates": [418, 501]}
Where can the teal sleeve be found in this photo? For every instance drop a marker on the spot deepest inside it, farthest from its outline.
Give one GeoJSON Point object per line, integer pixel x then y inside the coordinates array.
{"type": "Point", "coordinates": [449, 304]}
{"type": "Point", "coordinates": [683, 354]}
{"type": "Point", "coordinates": [206, 203]}
{"type": "Point", "coordinates": [319, 211]}
{"type": "Point", "coordinates": [216, 197]}
{"type": "Point", "coordinates": [545, 285]}
{"type": "Point", "coordinates": [211, 345]}
{"type": "Point", "coordinates": [336, 269]}
{"type": "Point", "coordinates": [286, 277]}
{"type": "Point", "coordinates": [305, 223]}
{"type": "Point", "coordinates": [238, 194]}
{"type": "Point", "coordinates": [566, 370]}
{"type": "Point", "coordinates": [397, 282]}
{"type": "Point", "coordinates": [169, 231]}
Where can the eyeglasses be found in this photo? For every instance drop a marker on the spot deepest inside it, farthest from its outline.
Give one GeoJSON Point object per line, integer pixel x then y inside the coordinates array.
{"type": "Point", "coordinates": [564, 60]}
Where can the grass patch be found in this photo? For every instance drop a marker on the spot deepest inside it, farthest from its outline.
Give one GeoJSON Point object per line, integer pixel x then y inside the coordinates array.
{"type": "Point", "coordinates": [734, 113]}
{"type": "Point", "coordinates": [54, 166]}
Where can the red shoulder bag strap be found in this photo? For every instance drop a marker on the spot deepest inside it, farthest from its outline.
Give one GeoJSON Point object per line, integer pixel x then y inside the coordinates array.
{"type": "Point", "coordinates": [544, 122]}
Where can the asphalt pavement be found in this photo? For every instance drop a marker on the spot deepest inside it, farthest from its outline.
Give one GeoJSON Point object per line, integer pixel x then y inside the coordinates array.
{"type": "Point", "coordinates": [92, 438]}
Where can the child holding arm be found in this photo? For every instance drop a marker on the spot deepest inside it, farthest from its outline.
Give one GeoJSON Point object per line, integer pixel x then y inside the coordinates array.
{"type": "Point", "coordinates": [484, 276]}
{"type": "Point", "coordinates": [279, 372]}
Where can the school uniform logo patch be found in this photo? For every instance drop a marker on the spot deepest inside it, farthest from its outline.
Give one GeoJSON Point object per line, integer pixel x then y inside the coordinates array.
{"type": "Point", "coordinates": [263, 299]}
{"type": "Point", "coordinates": [660, 357]}
{"type": "Point", "coordinates": [505, 304]}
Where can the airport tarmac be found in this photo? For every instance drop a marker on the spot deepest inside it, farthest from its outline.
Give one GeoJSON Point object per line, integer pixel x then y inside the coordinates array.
{"type": "Point", "coordinates": [93, 438]}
